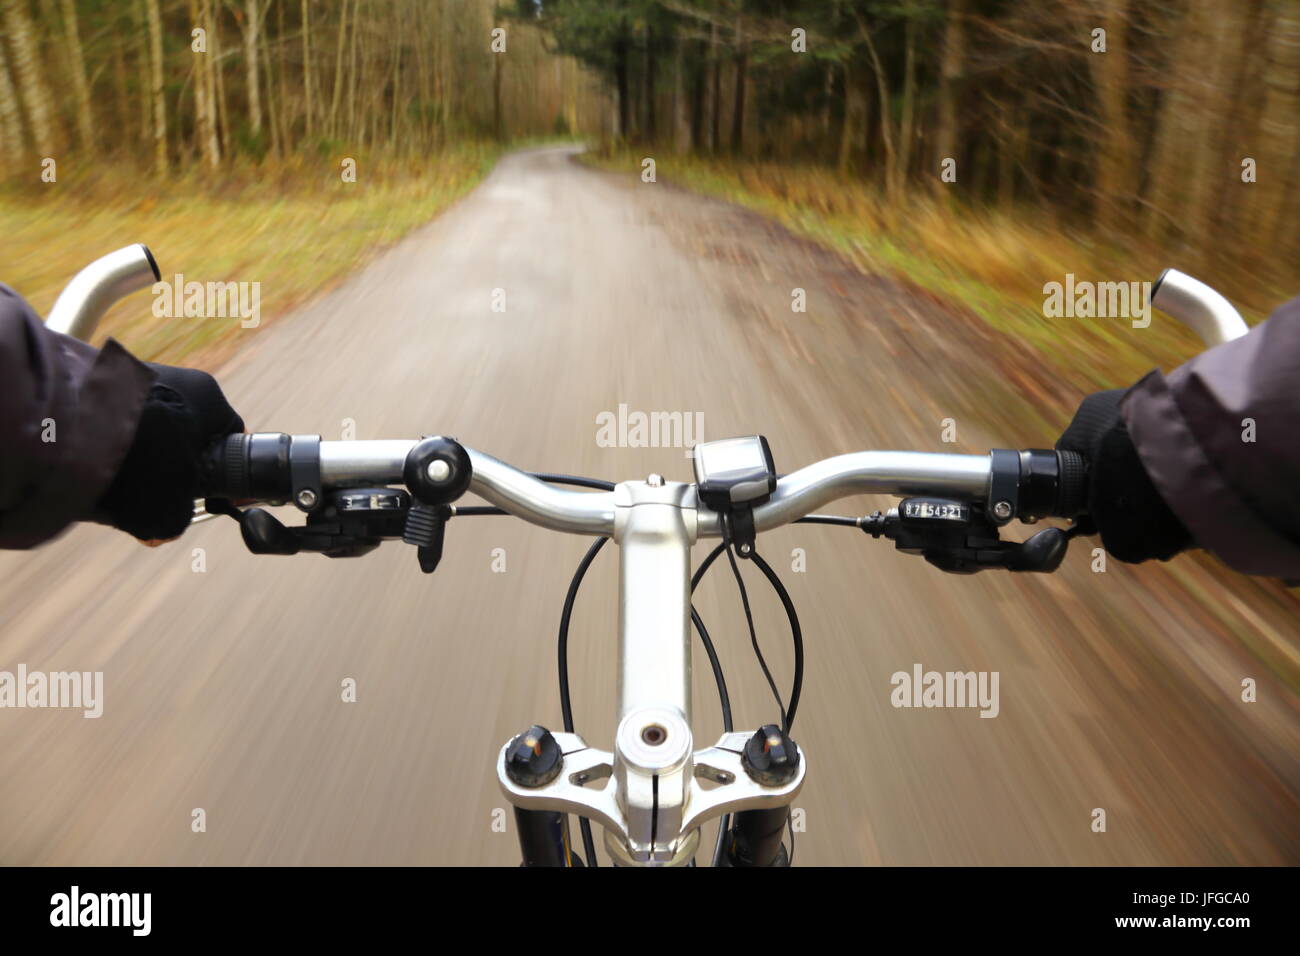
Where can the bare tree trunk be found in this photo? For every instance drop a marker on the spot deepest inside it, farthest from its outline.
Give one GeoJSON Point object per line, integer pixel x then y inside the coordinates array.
{"type": "Point", "coordinates": [715, 106]}
{"type": "Point", "coordinates": [621, 83]}
{"type": "Point", "coordinates": [336, 97]}
{"type": "Point", "coordinates": [651, 63]}
{"type": "Point", "coordinates": [1180, 123]}
{"type": "Point", "coordinates": [828, 97]}
{"type": "Point", "coordinates": [200, 79]}
{"type": "Point", "coordinates": [907, 122]}
{"type": "Point", "coordinates": [886, 121]}
{"type": "Point", "coordinates": [123, 112]}
{"type": "Point", "coordinates": [31, 79]}
{"type": "Point", "coordinates": [140, 45]}
{"type": "Point", "coordinates": [681, 124]}
{"type": "Point", "coordinates": [422, 71]}
{"type": "Point", "coordinates": [854, 109]}
{"type": "Point", "coordinates": [309, 112]}
{"type": "Point", "coordinates": [352, 71]}
{"type": "Point", "coordinates": [366, 116]}
{"type": "Point", "coordinates": [77, 64]}
{"type": "Point", "coordinates": [397, 73]}
{"type": "Point", "coordinates": [204, 109]}
{"type": "Point", "coordinates": [217, 77]}
{"type": "Point", "coordinates": [738, 102]}
{"type": "Point", "coordinates": [157, 92]}
{"type": "Point", "coordinates": [1212, 162]}
{"type": "Point", "coordinates": [274, 96]}
{"type": "Point", "coordinates": [439, 87]}
{"type": "Point", "coordinates": [571, 96]}
{"type": "Point", "coordinates": [1116, 172]}
{"type": "Point", "coordinates": [945, 135]}
{"type": "Point", "coordinates": [1274, 226]}
{"type": "Point", "coordinates": [1012, 140]}
{"type": "Point", "coordinates": [496, 94]}
{"type": "Point", "coordinates": [11, 126]}
{"type": "Point", "coordinates": [699, 82]}
{"type": "Point", "coordinates": [251, 31]}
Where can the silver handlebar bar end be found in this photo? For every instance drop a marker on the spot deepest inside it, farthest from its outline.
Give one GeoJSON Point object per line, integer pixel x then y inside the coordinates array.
{"type": "Point", "coordinates": [95, 288]}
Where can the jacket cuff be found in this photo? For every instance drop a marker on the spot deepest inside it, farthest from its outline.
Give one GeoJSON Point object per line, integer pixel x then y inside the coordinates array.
{"type": "Point", "coordinates": [108, 403]}
{"type": "Point", "coordinates": [1218, 519]}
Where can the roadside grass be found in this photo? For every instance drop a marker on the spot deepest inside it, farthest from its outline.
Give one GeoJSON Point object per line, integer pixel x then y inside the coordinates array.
{"type": "Point", "coordinates": [991, 262]}
{"type": "Point", "coordinates": [292, 225]}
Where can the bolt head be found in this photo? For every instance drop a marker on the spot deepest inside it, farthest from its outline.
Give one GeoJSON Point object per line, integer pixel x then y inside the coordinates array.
{"type": "Point", "coordinates": [306, 498]}
{"type": "Point", "coordinates": [654, 734]}
{"type": "Point", "coordinates": [1002, 510]}
{"type": "Point", "coordinates": [655, 481]}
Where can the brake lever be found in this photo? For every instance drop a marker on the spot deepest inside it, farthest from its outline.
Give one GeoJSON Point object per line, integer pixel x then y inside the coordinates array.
{"type": "Point", "coordinates": [1042, 552]}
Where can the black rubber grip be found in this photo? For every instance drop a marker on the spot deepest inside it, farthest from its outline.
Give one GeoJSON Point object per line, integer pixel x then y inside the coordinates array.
{"type": "Point", "coordinates": [225, 468]}
{"type": "Point", "coordinates": [234, 465]}
{"type": "Point", "coordinates": [1051, 484]}
{"type": "Point", "coordinates": [1072, 484]}
{"type": "Point", "coordinates": [248, 467]}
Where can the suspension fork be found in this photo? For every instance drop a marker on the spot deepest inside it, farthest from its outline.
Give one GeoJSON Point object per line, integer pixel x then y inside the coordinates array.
{"type": "Point", "coordinates": [544, 838]}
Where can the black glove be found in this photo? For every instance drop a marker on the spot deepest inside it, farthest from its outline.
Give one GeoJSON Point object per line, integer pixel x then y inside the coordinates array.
{"type": "Point", "coordinates": [1135, 523]}
{"type": "Point", "coordinates": [153, 494]}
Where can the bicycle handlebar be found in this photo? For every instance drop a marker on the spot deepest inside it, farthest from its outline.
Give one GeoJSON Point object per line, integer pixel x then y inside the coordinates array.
{"type": "Point", "coordinates": [1014, 484]}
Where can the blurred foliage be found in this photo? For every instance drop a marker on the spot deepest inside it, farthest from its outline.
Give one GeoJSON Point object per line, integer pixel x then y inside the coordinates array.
{"type": "Point", "coordinates": [291, 225]}
{"type": "Point", "coordinates": [1149, 134]}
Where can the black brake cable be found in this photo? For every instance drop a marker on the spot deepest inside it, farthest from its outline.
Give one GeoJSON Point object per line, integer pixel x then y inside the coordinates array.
{"type": "Point", "coordinates": [598, 483]}
{"type": "Point", "coordinates": [839, 520]}
{"type": "Point", "coordinates": [724, 824]}
{"type": "Point", "coordinates": [753, 635]}
{"type": "Point", "coordinates": [844, 520]}
{"type": "Point", "coordinates": [796, 634]}
{"type": "Point", "coordinates": [566, 703]}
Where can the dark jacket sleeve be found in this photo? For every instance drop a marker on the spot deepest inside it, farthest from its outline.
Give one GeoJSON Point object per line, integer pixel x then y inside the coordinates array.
{"type": "Point", "coordinates": [68, 413]}
{"type": "Point", "coordinates": [1220, 438]}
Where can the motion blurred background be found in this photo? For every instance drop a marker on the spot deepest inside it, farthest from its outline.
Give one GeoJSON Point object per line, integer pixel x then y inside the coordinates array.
{"type": "Point", "coordinates": [795, 145]}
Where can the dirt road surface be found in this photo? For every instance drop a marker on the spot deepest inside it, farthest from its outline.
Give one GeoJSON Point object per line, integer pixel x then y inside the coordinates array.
{"type": "Point", "coordinates": [223, 685]}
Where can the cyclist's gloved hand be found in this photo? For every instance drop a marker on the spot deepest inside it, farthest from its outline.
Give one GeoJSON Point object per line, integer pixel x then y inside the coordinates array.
{"type": "Point", "coordinates": [152, 496]}
{"type": "Point", "coordinates": [1123, 505]}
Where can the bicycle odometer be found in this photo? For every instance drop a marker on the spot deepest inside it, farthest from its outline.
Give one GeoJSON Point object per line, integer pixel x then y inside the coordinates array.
{"type": "Point", "coordinates": [734, 471]}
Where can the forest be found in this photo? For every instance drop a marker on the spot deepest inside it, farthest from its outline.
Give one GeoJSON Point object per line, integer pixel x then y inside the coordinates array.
{"type": "Point", "coordinates": [1174, 120]}
{"type": "Point", "coordinates": [176, 82]}
{"type": "Point", "coordinates": [1155, 132]}
{"type": "Point", "coordinates": [1147, 116]}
